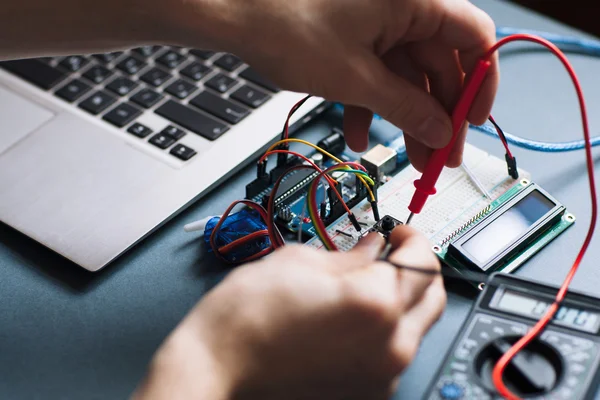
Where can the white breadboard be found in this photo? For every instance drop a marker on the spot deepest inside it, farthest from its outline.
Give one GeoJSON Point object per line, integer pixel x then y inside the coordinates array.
{"type": "Point", "coordinates": [457, 200]}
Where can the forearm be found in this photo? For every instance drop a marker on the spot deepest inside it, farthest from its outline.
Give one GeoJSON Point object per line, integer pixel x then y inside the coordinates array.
{"type": "Point", "coordinates": [30, 28]}
{"type": "Point", "coordinates": [180, 361]}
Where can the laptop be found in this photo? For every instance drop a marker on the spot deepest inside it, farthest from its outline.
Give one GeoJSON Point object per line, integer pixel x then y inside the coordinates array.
{"type": "Point", "coordinates": [97, 151]}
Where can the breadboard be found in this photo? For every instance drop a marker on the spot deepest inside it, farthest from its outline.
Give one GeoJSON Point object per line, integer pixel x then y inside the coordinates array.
{"type": "Point", "coordinates": [457, 201]}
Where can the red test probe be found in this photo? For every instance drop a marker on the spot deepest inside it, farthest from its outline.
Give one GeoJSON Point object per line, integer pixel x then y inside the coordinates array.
{"type": "Point", "coordinates": [425, 186]}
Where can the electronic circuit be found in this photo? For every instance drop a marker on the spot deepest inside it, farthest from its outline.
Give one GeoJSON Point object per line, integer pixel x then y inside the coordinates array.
{"type": "Point", "coordinates": [560, 364]}
{"type": "Point", "coordinates": [460, 211]}
{"type": "Point", "coordinates": [290, 202]}
{"type": "Point", "coordinates": [513, 227]}
{"type": "Point", "coordinates": [384, 226]}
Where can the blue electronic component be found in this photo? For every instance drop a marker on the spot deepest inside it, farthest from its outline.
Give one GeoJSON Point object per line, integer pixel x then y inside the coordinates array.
{"type": "Point", "coordinates": [451, 391]}
{"type": "Point", "coordinates": [235, 227]}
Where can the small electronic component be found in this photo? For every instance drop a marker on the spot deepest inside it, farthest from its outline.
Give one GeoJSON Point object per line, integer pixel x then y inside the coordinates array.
{"type": "Point", "coordinates": [284, 214]}
{"type": "Point", "coordinates": [508, 230]}
{"type": "Point", "coordinates": [334, 143]}
{"type": "Point", "coordinates": [384, 226]}
{"type": "Point", "coordinates": [380, 160]}
{"type": "Point", "coordinates": [235, 227]}
{"type": "Point", "coordinates": [317, 158]}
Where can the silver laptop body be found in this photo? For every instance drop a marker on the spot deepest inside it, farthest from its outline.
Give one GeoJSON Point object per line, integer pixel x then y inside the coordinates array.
{"type": "Point", "coordinates": [88, 184]}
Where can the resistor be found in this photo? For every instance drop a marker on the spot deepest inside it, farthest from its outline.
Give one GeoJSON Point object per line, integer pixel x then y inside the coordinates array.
{"type": "Point", "coordinates": [464, 226]}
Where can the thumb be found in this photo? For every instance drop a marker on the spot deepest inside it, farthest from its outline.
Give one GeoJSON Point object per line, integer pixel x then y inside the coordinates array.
{"type": "Point", "coordinates": [399, 101]}
{"type": "Point", "coordinates": [368, 248]}
{"type": "Point", "coordinates": [362, 254]}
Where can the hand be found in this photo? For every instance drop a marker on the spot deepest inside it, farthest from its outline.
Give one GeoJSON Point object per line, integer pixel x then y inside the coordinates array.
{"type": "Point", "coordinates": [403, 59]}
{"type": "Point", "coordinates": [305, 324]}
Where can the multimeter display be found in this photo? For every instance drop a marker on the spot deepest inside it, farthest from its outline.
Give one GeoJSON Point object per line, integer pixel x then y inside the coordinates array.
{"type": "Point", "coordinates": [528, 306]}
{"type": "Point", "coordinates": [507, 227]}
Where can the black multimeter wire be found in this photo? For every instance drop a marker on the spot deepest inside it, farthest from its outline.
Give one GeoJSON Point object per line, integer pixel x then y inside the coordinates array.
{"type": "Point", "coordinates": [468, 276]}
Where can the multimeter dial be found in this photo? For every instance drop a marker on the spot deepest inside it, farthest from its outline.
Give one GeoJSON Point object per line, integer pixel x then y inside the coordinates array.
{"type": "Point", "coordinates": [535, 370]}
{"type": "Point", "coordinates": [552, 367]}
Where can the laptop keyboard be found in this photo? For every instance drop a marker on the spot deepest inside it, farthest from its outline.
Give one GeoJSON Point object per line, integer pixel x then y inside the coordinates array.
{"type": "Point", "coordinates": [200, 91]}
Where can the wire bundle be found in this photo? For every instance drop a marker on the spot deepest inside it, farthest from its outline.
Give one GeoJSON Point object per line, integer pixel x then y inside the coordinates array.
{"type": "Point", "coordinates": [282, 150]}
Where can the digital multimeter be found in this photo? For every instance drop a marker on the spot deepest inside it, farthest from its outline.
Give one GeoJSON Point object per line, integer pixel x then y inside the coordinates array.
{"type": "Point", "coordinates": [561, 364]}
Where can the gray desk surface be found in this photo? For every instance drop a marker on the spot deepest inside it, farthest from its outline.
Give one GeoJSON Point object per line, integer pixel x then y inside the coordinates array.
{"type": "Point", "coordinates": [68, 334]}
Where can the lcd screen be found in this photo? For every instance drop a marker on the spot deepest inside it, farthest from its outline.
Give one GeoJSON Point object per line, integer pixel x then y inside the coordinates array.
{"type": "Point", "coordinates": [528, 306]}
{"type": "Point", "coordinates": [508, 227]}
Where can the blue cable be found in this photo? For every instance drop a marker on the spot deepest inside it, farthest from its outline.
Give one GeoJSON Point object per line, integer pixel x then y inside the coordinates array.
{"type": "Point", "coordinates": [546, 147]}
{"type": "Point", "coordinates": [586, 46]}
{"type": "Point", "coordinates": [566, 43]}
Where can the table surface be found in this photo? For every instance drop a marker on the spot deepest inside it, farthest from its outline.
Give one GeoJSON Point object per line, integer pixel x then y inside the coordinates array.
{"type": "Point", "coordinates": [65, 333]}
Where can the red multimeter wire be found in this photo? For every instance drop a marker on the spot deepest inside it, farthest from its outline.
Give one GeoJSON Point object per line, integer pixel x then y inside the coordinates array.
{"type": "Point", "coordinates": [426, 187]}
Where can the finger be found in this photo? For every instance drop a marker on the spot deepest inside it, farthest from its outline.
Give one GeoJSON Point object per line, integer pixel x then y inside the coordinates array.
{"type": "Point", "coordinates": [472, 32]}
{"type": "Point", "coordinates": [357, 121]}
{"type": "Point", "coordinates": [373, 291]}
{"type": "Point", "coordinates": [400, 63]}
{"type": "Point", "coordinates": [412, 250]}
{"type": "Point", "coordinates": [428, 310]}
{"type": "Point", "coordinates": [440, 63]}
{"type": "Point", "coordinates": [415, 323]}
{"type": "Point", "coordinates": [418, 154]}
{"type": "Point", "coordinates": [368, 247]}
{"type": "Point", "coordinates": [456, 154]}
{"type": "Point", "coordinates": [401, 102]}
{"type": "Point", "coordinates": [363, 254]}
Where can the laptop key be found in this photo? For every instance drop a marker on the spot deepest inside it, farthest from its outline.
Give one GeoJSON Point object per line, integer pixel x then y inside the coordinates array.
{"type": "Point", "coordinates": [251, 75]}
{"type": "Point", "coordinates": [222, 108]}
{"type": "Point", "coordinates": [146, 51]}
{"type": "Point", "coordinates": [34, 71]}
{"type": "Point", "coordinates": [195, 71]}
{"type": "Point", "coordinates": [122, 114]}
{"type": "Point", "coordinates": [107, 58]}
{"type": "Point", "coordinates": [155, 77]}
{"type": "Point", "coordinates": [249, 96]}
{"type": "Point", "coordinates": [174, 132]}
{"type": "Point", "coordinates": [97, 102]}
{"type": "Point", "coordinates": [97, 74]}
{"type": "Point", "coordinates": [192, 120]}
{"type": "Point", "coordinates": [162, 141]}
{"type": "Point", "coordinates": [73, 90]}
{"type": "Point", "coordinates": [121, 86]}
{"type": "Point", "coordinates": [183, 152]}
{"type": "Point", "coordinates": [73, 63]}
{"type": "Point", "coordinates": [228, 62]}
{"type": "Point", "coordinates": [221, 83]}
{"type": "Point", "coordinates": [203, 54]}
{"type": "Point", "coordinates": [170, 59]}
{"type": "Point", "coordinates": [181, 88]}
{"type": "Point", "coordinates": [139, 130]}
{"type": "Point", "coordinates": [131, 65]}
{"type": "Point", "coordinates": [146, 98]}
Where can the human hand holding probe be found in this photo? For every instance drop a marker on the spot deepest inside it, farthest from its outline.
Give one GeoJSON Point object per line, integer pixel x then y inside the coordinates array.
{"type": "Point", "coordinates": [425, 186]}
{"type": "Point", "coordinates": [403, 59]}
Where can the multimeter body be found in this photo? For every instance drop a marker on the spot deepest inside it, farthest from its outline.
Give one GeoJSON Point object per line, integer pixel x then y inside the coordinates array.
{"type": "Point", "coordinates": [561, 364]}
